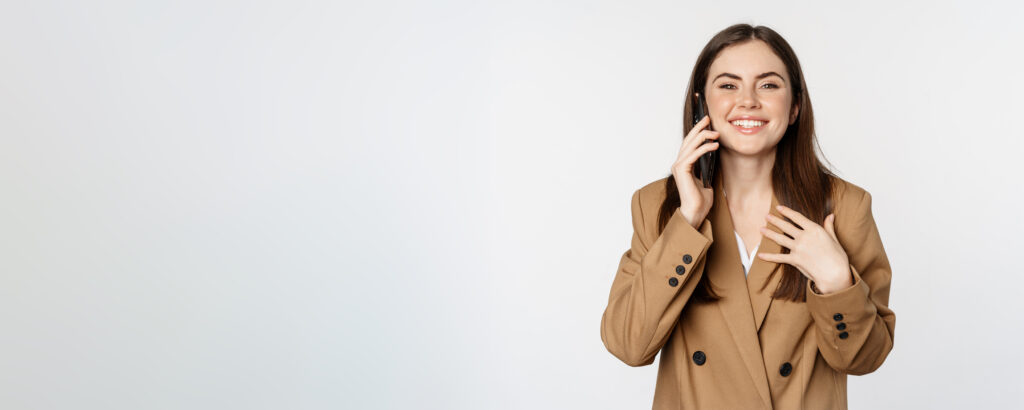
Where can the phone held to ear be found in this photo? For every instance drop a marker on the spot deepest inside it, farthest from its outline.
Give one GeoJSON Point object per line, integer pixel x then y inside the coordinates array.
{"type": "Point", "coordinates": [706, 162]}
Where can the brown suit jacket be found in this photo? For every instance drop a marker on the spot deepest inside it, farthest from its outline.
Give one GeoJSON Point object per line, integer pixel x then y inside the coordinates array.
{"type": "Point", "coordinates": [746, 351]}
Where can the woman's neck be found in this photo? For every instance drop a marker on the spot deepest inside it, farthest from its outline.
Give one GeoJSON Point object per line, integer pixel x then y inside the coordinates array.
{"type": "Point", "coordinates": [746, 178]}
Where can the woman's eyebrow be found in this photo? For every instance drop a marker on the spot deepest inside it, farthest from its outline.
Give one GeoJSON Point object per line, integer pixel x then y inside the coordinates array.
{"type": "Point", "coordinates": [759, 76]}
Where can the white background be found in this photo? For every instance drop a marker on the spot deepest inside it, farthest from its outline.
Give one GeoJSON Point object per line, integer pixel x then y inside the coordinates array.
{"type": "Point", "coordinates": [394, 205]}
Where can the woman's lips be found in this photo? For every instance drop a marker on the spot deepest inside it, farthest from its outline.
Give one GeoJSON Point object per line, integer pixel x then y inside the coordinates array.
{"type": "Point", "coordinates": [749, 131]}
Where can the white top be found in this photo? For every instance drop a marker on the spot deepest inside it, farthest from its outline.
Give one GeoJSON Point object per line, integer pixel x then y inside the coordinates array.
{"type": "Point", "coordinates": [746, 259]}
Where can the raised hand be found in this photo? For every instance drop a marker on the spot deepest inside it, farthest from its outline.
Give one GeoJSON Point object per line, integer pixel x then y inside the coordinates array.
{"type": "Point", "coordinates": [814, 250]}
{"type": "Point", "coordinates": [694, 200]}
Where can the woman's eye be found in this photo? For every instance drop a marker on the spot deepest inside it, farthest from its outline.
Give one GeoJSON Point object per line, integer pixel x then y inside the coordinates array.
{"type": "Point", "coordinates": [730, 86]}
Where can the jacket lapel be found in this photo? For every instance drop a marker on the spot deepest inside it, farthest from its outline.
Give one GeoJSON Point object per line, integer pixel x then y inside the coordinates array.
{"type": "Point", "coordinates": [760, 282]}
{"type": "Point", "coordinates": [726, 275]}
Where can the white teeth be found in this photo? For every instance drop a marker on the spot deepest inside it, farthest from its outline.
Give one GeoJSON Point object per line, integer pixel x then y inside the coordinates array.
{"type": "Point", "coordinates": [748, 123]}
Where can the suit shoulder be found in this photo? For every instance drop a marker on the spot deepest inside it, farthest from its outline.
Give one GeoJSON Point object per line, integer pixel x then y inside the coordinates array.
{"type": "Point", "coordinates": [654, 190]}
{"type": "Point", "coordinates": [650, 196]}
{"type": "Point", "coordinates": [850, 197]}
{"type": "Point", "coordinates": [849, 187]}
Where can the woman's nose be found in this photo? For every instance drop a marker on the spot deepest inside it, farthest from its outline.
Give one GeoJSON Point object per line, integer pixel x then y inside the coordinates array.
{"type": "Point", "coordinates": [747, 98]}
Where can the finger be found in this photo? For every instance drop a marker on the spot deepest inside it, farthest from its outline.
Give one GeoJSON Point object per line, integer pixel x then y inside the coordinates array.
{"type": "Point", "coordinates": [783, 258]}
{"type": "Point", "coordinates": [830, 226]}
{"type": "Point", "coordinates": [795, 216]}
{"type": "Point", "coordinates": [703, 122]}
{"type": "Point", "coordinates": [701, 125]}
{"type": "Point", "coordinates": [697, 128]}
{"type": "Point", "coordinates": [698, 139]}
{"type": "Point", "coordinates": [701, 150]}
{"type": "Point", "coordinates": [783, 225]}
{"type": "Point", "coordinates": [775, 257]}
{"type": "Point", "coordinates": [777, 237]}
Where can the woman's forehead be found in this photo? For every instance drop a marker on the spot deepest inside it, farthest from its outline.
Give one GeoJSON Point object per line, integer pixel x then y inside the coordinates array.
{"type": "Point", "coordinates": [747, 60]}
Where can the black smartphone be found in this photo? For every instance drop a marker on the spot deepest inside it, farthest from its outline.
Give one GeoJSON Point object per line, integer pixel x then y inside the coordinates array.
{"type": "Point", "coordinates": [706, 162]}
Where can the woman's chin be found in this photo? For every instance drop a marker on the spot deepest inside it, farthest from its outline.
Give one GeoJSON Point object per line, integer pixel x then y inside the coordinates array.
{"type": "Point", "coordinates": [748, 149]}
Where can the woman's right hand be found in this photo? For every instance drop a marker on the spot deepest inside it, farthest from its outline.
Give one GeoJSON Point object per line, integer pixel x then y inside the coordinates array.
{"type": "Point", "coordinates": [694, 200]}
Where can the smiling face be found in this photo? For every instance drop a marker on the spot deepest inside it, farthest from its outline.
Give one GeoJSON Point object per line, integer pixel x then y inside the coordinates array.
{"type": "Point", "coordinates": [749, 81]}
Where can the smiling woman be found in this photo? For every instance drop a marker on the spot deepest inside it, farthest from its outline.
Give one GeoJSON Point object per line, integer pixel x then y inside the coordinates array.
{"type": "Point", "coordinates": [756, 102]}
{"type": "Point", "coordinates": [810, 309]}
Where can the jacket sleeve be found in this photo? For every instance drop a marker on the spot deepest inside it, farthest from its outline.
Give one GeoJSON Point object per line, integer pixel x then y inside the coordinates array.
{"type": "Point", "coordinates": [651, 286]}
{"type": "Point", "coordinates": [855, 326]}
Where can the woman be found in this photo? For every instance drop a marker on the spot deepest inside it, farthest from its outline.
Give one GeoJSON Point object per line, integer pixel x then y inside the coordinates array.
{"type": "Point", "coordinates": [784, 329]}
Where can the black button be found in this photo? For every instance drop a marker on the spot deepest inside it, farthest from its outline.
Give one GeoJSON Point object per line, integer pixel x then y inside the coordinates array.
{"type": "Point", "coordinates": [785, 369]}
{"type": "Point", "coordinates": [844, 335]}
{"type": "Point", "coordinates": [841, 326]}
{"type": "Point", "coordinates": [838, 317]}
{"type": "Point", "coordinates": [687, 259]}
{"type": "Point", "coordinates": [680, 269]}
{"type": "Point", "coordinates": [699, 358]}
{"type": "Point", "coordinates": [673, 281]}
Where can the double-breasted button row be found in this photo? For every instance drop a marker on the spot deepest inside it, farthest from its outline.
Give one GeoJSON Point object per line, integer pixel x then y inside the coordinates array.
{"type": "Point", "coordinates": [786, 369]}
{"type": "Point", "coordinates": [699, 357]}
{"type": "Point", "coordinates": [838, 317]}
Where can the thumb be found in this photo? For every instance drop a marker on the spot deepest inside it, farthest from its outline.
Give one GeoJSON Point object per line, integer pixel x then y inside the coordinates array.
{"type": "Point", "coordinates": [830, 226]}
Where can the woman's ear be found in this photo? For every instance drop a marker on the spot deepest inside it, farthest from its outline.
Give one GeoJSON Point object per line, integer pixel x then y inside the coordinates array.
{"type": "Point", "coordinates": [794, 114]}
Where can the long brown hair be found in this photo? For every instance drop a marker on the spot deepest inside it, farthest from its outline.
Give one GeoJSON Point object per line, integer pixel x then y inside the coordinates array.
{"type": "Point", "coordinates": [799, 179]}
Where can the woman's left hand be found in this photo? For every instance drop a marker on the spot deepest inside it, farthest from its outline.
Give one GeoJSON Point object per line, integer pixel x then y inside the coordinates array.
{"type": "Point", "coordinates": [813, 249]}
